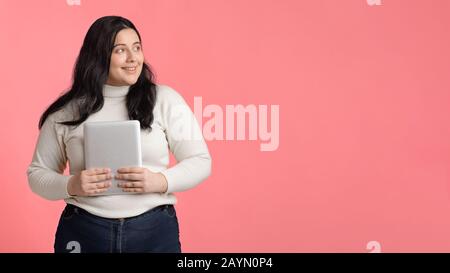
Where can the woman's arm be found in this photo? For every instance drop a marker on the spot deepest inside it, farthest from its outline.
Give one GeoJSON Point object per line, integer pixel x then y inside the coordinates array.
{"type": "Point", "coordinates": [185, 141]}
{"type": "Point", "coordinates": [45, 173]}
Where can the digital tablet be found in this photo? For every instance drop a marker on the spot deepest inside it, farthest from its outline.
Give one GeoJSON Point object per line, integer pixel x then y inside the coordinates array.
{"type": "Point", "coordinates": [112, 144]}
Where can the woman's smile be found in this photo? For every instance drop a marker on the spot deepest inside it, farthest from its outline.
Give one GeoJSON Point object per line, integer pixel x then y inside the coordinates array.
{"type": "Point", "coordinates": [130, 70]}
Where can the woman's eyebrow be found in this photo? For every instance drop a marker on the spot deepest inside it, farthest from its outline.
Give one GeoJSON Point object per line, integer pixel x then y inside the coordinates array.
{"type": "Point", "coordinates": [125, 44]}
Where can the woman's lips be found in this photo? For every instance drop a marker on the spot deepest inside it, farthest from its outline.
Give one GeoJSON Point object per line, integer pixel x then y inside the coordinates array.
{"type": "Point", "coordinates": [130, 70]}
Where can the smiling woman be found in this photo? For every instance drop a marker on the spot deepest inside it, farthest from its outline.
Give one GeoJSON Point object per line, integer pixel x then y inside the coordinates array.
{"type": "Point", "coordinates": [126, 59]}
{"type": "Point", "coordinates": [112, 82]}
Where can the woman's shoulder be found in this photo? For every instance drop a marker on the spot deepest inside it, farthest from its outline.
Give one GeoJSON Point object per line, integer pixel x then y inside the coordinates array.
{"type": "Point", "coordinates": [168, 95]}
{"type": "Point", "coordinates": [63, 114]}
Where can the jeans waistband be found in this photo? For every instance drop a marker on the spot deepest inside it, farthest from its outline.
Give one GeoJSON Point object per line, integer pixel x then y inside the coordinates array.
{"type": "Point", "coordinates": [79, 210]}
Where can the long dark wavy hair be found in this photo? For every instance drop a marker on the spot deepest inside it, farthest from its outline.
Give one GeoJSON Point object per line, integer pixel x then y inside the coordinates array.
{"type": "Point", "coordinates": [91, 73]}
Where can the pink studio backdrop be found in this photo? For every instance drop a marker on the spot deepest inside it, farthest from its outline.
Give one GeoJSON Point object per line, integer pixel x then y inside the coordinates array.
{"type": "Point", "coordinates": [363, 92]}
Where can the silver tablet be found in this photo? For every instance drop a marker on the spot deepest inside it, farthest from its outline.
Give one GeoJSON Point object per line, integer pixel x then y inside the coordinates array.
{"type": "Point", "coordinates": [112, 144]}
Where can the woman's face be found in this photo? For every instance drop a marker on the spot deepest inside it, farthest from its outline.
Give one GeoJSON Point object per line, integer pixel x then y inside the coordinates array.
{"type": "Point", "coordinates": [126, 59]}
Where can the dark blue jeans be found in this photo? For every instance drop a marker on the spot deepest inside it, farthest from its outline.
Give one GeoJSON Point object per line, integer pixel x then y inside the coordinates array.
{"type": "Point", "coordinates": [153, 231]}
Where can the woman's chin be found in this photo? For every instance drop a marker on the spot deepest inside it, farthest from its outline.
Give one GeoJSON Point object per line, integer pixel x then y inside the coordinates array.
{"type": "Point", "coordinates": [129, 81]}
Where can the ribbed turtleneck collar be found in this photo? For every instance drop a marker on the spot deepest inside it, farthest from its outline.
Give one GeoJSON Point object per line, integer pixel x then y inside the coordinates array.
{"type": "Point", "coordinates": [111, 91]}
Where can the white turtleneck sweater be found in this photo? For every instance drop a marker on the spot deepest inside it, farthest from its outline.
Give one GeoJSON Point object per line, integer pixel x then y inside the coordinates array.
{"type": "Point", "coordinates": [58, 144]}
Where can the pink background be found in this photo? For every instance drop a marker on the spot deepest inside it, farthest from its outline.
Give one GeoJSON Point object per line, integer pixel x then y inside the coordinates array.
{"type": "Point", "coordinates": [363, 90]}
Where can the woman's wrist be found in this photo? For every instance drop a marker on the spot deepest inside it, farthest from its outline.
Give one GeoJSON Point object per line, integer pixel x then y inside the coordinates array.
{"type": "Point", "coordinates": [163, 183]}
{"type": "Point", "coordinates": [70, 190]}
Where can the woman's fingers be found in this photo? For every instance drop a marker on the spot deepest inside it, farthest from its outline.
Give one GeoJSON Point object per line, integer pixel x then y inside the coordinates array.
{"type": "Point", "coordinates": [97, 178]}
{"type": "Point", "coordinates": [97, 171]}
{"type": "Point", "coordinates": [101, 177]}
{"type": "Point", "coordinates": [134, 184]}
{"type": "Point", "coordinates": [100, 185]}
{"type": "Point", "coordinates": [133, 189]}
{"type": "Point", "coordinates": [129, 176]}
{"type": "Point", "coordinates": [131, 170]}
{"type": "Point", "coordinates": [97, 191]}
{"type": "Point", "coordinates": [95, 175]}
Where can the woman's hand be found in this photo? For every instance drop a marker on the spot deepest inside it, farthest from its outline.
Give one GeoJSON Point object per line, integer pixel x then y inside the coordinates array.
{"type": "Point", "coordinates": [90, 182]}
{"type": "Point", "coordinates": [137, 179]}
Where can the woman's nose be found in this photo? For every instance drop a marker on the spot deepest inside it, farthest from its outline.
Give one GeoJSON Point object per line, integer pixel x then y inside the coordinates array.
{"type": "Point", "coordinates": [131, 56]}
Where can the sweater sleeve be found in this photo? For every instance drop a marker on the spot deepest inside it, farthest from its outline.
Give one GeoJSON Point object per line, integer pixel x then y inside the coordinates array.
{"type": "Point", "coordinates": [185, 141]}
{"type": "Point", "coordinates": [45, 173]}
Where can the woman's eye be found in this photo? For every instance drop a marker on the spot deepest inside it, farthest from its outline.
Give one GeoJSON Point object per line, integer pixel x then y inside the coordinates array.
{"type": "Point", "coordinates": [138, 48]}
{"type": "Point", "coordinates": [119, 50]}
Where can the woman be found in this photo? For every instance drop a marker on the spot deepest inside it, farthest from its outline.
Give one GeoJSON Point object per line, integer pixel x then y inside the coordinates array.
{"type": "Point", "coordinates": [112, 82]}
